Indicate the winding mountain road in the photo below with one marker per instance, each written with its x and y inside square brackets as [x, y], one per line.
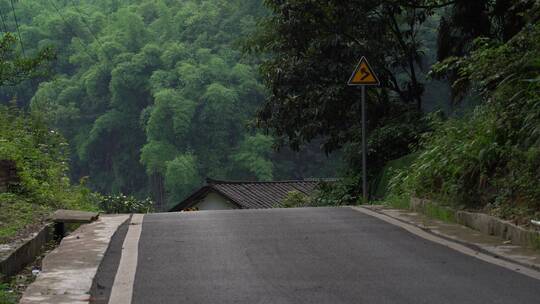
[311, 255]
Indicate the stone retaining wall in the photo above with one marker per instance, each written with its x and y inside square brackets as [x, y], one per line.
[14, 257]
[487, 224]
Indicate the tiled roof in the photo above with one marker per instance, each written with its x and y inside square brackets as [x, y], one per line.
[250, 195]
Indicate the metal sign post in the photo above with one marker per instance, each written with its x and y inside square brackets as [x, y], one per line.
[364, 76]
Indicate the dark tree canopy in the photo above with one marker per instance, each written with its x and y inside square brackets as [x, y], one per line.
[311, 48]
[153, 96]
[466, 21]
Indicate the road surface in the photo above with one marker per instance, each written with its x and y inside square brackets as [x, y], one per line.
[314, 255]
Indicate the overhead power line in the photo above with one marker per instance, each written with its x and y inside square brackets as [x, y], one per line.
[17, 25]
[3, 22]
[81, 41]
[70, 27]
[86, 24]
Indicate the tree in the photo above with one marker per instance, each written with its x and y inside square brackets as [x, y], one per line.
[182, 177]
[310, 49]
[254, 157]
[141, 84]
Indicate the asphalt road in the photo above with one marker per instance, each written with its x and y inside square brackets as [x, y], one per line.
[325, 255]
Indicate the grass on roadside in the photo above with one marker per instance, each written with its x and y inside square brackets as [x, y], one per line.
[23, 214]
[535, 243]
[442, 213]
[433, 211]
[18, 216]
[7, 296]
[397, 202]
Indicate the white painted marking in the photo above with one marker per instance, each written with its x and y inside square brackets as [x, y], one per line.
[452, 245]
[122, 289]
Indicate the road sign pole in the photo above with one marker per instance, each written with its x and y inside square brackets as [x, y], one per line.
[363, 76]
[364, 147]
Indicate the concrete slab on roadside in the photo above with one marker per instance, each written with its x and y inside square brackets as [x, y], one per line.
[68, 271]
[492, 245]
[74, 216]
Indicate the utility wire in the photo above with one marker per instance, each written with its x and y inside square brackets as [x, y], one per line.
[70, 27]
[85, 46]
[3, 22]
[17, 25]
[86, 24]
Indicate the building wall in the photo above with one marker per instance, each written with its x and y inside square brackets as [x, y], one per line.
[214, 201]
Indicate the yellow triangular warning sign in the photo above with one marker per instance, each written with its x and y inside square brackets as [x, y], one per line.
[363, 74]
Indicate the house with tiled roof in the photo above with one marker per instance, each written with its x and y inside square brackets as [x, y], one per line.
[223, 195]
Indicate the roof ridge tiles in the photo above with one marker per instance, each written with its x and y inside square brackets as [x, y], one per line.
[251, 194]
[211, 181]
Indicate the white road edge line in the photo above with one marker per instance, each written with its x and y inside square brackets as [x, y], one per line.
[122, 289]
[452, 245]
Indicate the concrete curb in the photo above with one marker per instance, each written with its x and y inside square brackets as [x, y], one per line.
[69, 270]
[462, 247]
[14, 257]
[503, 229]
[486, 224]
[473, 246]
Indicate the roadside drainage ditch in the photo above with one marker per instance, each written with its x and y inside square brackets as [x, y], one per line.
[20, 260]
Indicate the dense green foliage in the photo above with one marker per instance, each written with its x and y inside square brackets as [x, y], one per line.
[41, 158]
[38, 154]
[153, 95]
[466, 20]
[491, 157]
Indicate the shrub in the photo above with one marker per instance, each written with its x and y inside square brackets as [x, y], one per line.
[6, 297]
[339, 193]
[41, 157]
[125, 204]
[296, 199]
